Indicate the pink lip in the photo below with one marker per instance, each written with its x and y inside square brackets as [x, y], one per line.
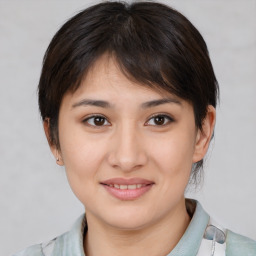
[127, 194]
[122, 181]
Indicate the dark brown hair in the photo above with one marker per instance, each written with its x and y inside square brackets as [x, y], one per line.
[153, 44]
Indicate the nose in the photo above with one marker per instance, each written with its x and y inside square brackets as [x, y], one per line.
[127, 150]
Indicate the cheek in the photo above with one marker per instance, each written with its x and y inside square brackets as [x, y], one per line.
[82, 157]
[174, 151]
[174, 156]
[79, 150]
[174, 163]
[82, 171]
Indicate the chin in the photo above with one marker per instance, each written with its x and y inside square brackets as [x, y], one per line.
[128, 219]
[130, 224]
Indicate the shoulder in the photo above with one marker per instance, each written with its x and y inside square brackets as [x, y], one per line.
[237, 245]
[69, 243]
[35, 250]
[44, 249]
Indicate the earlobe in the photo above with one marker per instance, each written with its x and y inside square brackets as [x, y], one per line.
[55, 151]
[204, 135]
[58, 157]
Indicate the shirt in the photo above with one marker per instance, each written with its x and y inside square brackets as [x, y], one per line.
[71, 242]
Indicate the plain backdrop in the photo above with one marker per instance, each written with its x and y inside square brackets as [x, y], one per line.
[36, 203]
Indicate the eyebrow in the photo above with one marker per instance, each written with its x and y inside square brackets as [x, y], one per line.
[105, 104]
[88, 102]
[155, 103]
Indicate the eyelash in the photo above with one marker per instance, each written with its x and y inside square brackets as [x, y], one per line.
[170, 119]
[93, 117]
[167, 117]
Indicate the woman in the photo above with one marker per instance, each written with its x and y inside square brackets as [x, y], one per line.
[127, 96]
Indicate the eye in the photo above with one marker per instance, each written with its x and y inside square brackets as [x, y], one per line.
[96, 120]
[160, 120]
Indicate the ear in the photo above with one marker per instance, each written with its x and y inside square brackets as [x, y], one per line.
[55, 151]
[204, 135]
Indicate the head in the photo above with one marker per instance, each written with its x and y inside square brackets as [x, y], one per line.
[148, 46]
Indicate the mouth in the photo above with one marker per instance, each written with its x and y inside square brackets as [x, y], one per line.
[123, 187]
[127, 189]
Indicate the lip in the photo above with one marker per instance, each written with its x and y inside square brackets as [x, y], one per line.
[127, 194]
[131, 181]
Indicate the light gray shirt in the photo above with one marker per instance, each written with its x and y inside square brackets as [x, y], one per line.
[71, 242]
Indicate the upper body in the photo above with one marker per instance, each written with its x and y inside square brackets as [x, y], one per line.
[196, 241]
[127, 96]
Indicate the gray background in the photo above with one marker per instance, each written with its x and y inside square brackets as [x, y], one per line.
[36, 203]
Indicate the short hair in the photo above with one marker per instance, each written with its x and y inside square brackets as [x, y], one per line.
[152, 43]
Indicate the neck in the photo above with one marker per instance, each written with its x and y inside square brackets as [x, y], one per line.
[164, 235]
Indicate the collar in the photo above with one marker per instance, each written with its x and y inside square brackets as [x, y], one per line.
[71, 243]
[191, 240]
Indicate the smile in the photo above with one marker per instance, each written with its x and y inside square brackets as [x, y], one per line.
[127, 189]
[130, 187]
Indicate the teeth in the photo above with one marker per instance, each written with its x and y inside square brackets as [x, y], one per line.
[133, 186]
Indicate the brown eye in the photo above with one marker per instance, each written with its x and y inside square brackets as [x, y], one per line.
[96, 121]
[159, 120]
[99, 120]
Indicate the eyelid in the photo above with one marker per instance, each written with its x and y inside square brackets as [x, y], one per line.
[167, 116]
[94, 116]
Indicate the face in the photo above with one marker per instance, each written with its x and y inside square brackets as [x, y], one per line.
[127, 149]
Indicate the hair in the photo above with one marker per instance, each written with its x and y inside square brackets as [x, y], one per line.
[152, 43]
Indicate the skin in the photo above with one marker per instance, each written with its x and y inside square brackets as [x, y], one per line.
[129, 143]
